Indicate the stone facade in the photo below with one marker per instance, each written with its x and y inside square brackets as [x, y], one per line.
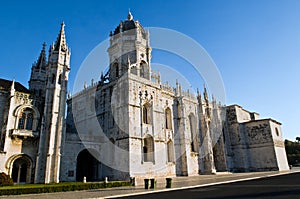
[32, 120]
[128, 125]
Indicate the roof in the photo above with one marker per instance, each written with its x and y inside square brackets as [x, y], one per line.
[126, 25]
[6, 86]
[262, 120]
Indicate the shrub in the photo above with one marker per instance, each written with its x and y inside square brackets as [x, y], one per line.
[60, 187]
[5, 180]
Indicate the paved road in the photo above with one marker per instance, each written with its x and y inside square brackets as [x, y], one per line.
[284, 186]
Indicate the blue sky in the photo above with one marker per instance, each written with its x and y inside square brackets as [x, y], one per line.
[255, 44]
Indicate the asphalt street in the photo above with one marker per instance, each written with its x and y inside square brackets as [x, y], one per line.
[283, 187]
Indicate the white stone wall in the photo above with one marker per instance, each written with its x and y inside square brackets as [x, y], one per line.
[280, 152]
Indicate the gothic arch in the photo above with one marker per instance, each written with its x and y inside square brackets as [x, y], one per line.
[168, 118]
[148, 148]
[116, 69]
[133, 70]
[59, 79]
[20, 168]
[88, 166]
[170, 151]
[144, 70]
[193, 132]
[26, 114]
[146, 113]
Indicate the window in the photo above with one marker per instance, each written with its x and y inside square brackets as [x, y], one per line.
[277, 132]
[22, 121]
[133, 70]
[168, 118]
[146, 114]
[116, 68]
[170, 151]
[192, 122]
[144, 70]
[148, 149]
[29, 121]
[26, 119]
[53, 79]
[59, 79]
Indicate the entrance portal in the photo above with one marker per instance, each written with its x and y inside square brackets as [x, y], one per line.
[87, 166]
[21, 170]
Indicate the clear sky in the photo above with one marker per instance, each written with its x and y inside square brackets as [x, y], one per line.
[255, 43]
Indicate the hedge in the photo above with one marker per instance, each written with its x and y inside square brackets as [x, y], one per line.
[5, 180]
[59, 187]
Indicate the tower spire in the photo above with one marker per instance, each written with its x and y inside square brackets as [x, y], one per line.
[60, 43]
[41, 63]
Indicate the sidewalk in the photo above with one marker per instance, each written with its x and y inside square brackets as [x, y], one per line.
[177, 183]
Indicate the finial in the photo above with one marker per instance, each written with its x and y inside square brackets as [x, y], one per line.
[128, 61]
[129, 16]
[13, 84]
[62, 24]
[205, 93]
[44, 46]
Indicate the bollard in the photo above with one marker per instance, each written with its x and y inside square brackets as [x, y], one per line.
[153, 183]
[84, 179]
[168, 182]
[133, 181]
[147, 184]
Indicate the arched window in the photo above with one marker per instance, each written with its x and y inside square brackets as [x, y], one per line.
[133, 70]
[192, 125]
[25, 120]
[170, 151]
[59, 79]
[276, 131]
[22, 121]
[144, 70]
[29, 121]
[53, 79]
[146, 114]
[116, 68]
[148, 149]
[168, 118]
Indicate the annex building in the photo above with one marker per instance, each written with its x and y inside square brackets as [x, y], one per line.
[126, 125]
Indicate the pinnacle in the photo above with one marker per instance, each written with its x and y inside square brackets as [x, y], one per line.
[61, 39]
[129, 16]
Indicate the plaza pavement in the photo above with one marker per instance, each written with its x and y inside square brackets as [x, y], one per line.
[177, 184]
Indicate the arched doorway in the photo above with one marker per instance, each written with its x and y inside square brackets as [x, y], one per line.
[21, 170]
[88, 166]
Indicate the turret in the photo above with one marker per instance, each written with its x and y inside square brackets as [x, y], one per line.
[37, 80]
[53, 125]
[129, 41]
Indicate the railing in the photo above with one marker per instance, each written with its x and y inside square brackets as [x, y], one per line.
[24, 133]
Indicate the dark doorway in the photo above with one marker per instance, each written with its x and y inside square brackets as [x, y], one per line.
[20, 170]
[87, 166]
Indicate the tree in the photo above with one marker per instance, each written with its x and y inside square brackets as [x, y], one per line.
[298, 139]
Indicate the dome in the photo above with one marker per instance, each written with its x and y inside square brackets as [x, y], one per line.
[128, 24]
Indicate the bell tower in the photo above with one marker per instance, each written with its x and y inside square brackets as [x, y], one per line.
[53, 124]
[129, 50]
